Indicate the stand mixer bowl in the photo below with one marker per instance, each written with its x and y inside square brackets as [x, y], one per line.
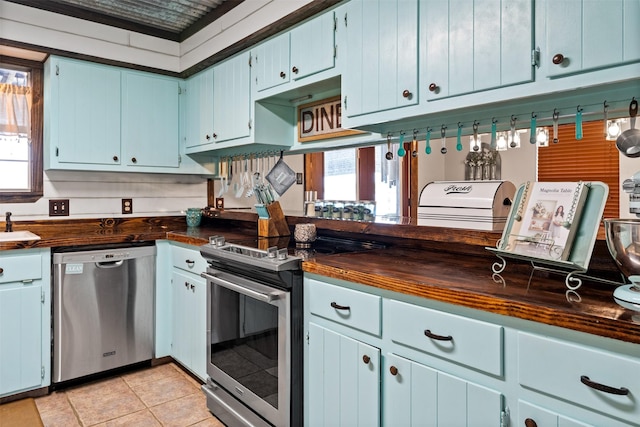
[623, 241]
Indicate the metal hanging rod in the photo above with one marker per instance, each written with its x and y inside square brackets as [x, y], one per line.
[565, 114]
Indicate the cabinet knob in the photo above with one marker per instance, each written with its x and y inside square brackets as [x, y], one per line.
[215, 135]
[393, 370]
[1, 270]
[134, 160]
[530, 423]
[558, 58]
[115, 158]
[186, 285]
[366, 359]
[208, 137]
[406, 93]
[282, 74]
[433, 87]
[295, 69]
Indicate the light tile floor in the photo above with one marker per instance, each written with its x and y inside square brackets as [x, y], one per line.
[163, 395]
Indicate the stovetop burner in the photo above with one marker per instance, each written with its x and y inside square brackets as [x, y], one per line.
[277, 254]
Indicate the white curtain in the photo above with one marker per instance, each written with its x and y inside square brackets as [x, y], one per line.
[15, 108]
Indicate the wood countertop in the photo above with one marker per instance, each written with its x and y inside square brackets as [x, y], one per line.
[457, 272]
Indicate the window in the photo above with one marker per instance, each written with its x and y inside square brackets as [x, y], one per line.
[360, 174]
[21, 88]
[590, 159]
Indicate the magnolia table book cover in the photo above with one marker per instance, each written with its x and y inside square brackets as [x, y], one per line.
[547, 220]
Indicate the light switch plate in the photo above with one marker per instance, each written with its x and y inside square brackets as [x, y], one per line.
[59, 207]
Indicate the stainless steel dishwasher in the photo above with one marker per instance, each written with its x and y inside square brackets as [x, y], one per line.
[103, 308]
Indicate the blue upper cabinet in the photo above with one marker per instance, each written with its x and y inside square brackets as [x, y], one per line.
[150, 120]
[313, 46]
[469, 46]
[382, 65]
[199, 110]
[232, 98]
[82, 113]
[103, 118]
[586, 35]
[271, 63]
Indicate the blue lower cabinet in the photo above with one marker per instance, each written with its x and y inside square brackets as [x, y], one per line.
[417, 395]
[343, 381]
[189, 322]
[25, 319]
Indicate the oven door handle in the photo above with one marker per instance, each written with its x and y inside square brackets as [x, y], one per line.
[247, 289]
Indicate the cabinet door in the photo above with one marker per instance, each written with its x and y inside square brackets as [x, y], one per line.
[590, 34]
[150, 120]
[382, 65]
[313, 46]
[86, 112]
[199, 109]
[271, 62]
[189, 322]
[21, 367]
[344, 378]
[416, 395]
[232, 98]
[180, 318]
[471, 46]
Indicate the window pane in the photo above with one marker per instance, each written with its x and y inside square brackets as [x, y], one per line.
[14, 176]
[13, 148]
[340, 178]
[387, 183]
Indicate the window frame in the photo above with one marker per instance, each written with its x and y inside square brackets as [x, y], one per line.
[36, 69]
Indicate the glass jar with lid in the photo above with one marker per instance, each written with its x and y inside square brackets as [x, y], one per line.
[369, 210]
[327, 209]
[338, 208]
[347, 210]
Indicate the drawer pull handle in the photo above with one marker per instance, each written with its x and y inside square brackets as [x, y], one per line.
[340, 307]
[433, 336]
[393, 370]
[190, 262]
[622, 391]
[530, 423]
[366, 359]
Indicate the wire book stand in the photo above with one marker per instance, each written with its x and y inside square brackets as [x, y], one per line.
[575, 267]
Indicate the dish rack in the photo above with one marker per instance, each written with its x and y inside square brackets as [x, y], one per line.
[576, 265]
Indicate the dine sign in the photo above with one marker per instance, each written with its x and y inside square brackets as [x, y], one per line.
[321, 120]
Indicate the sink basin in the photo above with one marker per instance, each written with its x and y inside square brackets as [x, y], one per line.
[18, 236]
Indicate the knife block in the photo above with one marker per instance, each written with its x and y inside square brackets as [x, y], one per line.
[275, 225]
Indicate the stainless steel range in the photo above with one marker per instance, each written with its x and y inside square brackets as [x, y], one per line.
[254, 335]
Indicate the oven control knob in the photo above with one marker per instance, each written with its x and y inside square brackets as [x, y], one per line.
[272, 252]
[282, 254]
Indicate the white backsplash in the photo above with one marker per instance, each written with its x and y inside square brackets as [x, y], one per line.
[100, 194]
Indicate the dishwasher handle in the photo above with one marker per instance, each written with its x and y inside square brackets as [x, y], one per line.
[245, 289]
[109, 264]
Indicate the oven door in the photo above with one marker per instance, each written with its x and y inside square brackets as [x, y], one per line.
[248, 330]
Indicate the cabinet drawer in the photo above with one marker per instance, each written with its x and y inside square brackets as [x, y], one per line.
[355, 309]
[560, 369]
[20, 267]
[459, 339]
[188, 259]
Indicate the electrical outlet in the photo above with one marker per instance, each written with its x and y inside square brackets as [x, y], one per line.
[59, 207]
[299, 178]
[127, 206]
